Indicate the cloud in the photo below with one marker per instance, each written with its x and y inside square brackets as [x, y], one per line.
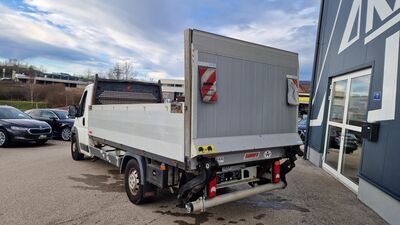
[293, 31]
[156, 75]
[77, 35]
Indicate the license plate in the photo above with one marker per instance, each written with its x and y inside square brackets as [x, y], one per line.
[42, 136]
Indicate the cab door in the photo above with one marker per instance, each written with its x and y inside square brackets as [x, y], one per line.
[81, 122]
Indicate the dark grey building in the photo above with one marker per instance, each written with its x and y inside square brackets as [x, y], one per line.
[355, 92]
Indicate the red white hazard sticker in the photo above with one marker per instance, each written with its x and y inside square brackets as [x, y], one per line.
[208, 84]
[252, 155]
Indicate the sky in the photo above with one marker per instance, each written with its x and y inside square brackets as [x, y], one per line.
[75, 36]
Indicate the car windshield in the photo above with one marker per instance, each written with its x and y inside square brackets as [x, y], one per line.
[62, 114]
[12, 113]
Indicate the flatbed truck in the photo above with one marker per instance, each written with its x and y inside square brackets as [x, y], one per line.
[237, 124]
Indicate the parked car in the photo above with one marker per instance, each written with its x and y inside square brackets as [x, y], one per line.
[58, 119]
[16, 126]
[302, 129]
[350, 141]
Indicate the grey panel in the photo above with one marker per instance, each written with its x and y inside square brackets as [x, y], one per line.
[380, 160]
[251, 88]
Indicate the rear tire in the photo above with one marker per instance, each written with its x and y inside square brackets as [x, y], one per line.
[133, 187]
[66, 133]
[4, 138]
[75, 153]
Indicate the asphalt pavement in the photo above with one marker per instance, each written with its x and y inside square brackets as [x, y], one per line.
[43, 185]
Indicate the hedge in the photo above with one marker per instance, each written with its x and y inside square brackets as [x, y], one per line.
[24, 105]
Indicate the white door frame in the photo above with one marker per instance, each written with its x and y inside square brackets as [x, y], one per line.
[344, 126]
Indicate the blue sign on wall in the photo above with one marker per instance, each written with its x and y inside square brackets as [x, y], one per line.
[377, 96]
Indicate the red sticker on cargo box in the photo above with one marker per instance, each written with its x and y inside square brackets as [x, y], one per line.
[252, 155]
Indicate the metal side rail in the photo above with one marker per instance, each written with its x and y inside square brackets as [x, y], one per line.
[202, 204]
[109, 156]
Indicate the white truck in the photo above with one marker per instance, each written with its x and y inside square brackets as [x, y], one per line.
[237, 124]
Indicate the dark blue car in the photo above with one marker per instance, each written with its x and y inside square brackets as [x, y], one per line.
[302, 129]
[16, 126]
[58, 120]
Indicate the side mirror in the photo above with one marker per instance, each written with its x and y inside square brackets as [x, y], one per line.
[72, 111]
[53, 118]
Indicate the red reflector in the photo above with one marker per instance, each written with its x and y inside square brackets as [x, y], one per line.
[277, 172]
[212, 188]
[251, 155]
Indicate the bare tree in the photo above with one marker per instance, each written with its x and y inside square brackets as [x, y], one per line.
[88, 74]
[117, 71]
[128, 71]
[32, 83]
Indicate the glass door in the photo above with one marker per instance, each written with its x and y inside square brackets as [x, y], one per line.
[347, 111]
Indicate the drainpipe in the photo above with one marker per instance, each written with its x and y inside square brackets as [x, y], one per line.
[314, 76]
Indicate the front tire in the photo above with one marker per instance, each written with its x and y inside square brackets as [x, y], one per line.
[133, 187]
[4, 138]
[66, 133]
[75, 153]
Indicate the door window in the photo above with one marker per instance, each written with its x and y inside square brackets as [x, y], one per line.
[332, 152]
[47, 114]
[82, 104]
[338, 101]
[358, 100]
[351, 155]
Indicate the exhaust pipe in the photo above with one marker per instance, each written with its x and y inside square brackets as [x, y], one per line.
[201, 204]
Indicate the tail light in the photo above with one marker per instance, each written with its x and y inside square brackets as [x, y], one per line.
[212, 188]
[277, 172]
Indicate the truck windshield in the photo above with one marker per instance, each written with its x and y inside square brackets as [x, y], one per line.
[12, 113]
[62, 114]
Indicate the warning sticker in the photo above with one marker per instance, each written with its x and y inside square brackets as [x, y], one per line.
[205, 149]
[252, 155]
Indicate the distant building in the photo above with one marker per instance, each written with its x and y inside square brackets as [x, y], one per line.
[171, 89]
[52, 78]
[304, 97]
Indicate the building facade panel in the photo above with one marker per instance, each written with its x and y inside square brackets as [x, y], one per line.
[355, 35]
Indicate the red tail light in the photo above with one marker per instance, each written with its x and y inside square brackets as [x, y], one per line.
[212, 188]
[277, 172]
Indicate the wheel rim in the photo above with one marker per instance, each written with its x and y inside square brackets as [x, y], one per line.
[133, 181]
[66, 134]
[2, 138]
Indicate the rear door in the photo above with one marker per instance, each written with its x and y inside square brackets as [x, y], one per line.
[51, 118]
[239, 96]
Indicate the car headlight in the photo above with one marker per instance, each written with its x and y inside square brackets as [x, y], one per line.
[19, 128]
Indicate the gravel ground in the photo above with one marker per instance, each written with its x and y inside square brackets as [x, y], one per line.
[43, 185]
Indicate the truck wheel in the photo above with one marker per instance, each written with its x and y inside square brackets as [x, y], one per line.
[3, 138]
[76, 155]
[133, 188]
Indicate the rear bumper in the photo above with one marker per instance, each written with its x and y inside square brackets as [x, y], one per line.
[201, 204]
